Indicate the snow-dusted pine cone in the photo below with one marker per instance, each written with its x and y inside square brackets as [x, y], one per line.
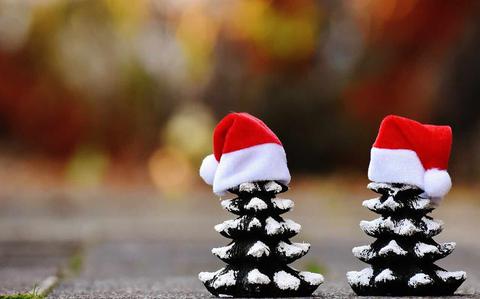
[260, 250]
[402, 258]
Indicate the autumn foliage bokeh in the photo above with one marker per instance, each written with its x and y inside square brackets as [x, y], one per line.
[129, 91]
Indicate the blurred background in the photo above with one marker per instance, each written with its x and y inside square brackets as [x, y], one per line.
[107, 108]
[126, 93]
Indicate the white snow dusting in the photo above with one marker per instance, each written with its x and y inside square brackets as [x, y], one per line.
[421, 249]
[375, 204]
[222, 252]
[360, 277]
[293, 250]
[313, 279]
[376, 186]
[371, 204]
[283, 204]
[227, 225]
[433, 226]
[254, 223]
[405, 227]
[292, 225]
[256, 277]
[256, 204]
[448, 247]
[248, 187]
[227, 204]
[371, 227]
[226, 279]
[259, 249]
[421, 203]
[391, 204]
[273, 227]
[363, 252]
[304, 246]
[385, 275]
[419, 280]
[273, 186]
[457, 275]
[392, 247]
[206, 276]
[286, 281]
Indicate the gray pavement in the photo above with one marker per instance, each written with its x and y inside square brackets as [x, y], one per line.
[26, 265]
[140, 245]
[168, 270]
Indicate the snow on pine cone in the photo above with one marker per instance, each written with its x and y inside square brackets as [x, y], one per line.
[260, 249]
[402, 258]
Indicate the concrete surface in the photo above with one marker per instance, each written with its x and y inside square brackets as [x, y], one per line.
[26, 265]
[168, 270]
[137, 244]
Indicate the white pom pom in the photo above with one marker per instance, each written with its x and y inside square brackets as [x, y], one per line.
[208, 169]
[437, 183]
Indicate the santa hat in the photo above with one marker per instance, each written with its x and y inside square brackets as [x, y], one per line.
[244, 150]
[412, 153]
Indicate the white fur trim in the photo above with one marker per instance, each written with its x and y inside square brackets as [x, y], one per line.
[256, 163]
[437, 183]
[395, 166]
[208, 169]
[404, 166]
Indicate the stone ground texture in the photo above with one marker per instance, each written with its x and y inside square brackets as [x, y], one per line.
[109, 244]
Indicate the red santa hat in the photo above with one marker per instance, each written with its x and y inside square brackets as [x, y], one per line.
[412, 153]
[244, 150]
